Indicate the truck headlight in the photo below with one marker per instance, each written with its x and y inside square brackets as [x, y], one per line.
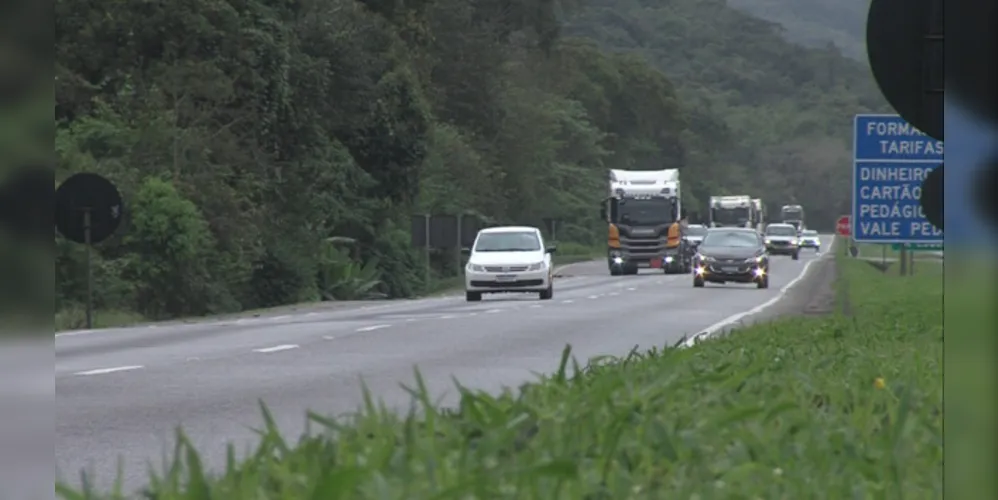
[769, 241]
[617, 260]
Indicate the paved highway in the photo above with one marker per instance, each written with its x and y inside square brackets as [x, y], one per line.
[121, 393]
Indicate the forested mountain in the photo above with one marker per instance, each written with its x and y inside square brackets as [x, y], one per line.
[816, 22]
[246, 135]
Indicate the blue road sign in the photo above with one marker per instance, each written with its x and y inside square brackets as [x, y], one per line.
[891, 158]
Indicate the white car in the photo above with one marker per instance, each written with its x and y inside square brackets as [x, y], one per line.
[809, 239]
[509, 259]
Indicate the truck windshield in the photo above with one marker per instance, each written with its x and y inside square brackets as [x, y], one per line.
[508, 242]
[730, 216]
[793, 215]
[645, 212]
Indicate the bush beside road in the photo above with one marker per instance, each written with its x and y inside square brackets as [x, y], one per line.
[806, 407]
[74, 318]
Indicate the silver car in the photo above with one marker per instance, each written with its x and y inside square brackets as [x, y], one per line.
[781, 239]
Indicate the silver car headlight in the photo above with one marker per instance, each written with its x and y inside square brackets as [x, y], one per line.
[536, 267]
[754, 260]
[769, 241]
[705, 258]
[475, 268]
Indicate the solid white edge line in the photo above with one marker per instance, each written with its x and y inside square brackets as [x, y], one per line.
[103, 371]
[276, 348]
[734, 318]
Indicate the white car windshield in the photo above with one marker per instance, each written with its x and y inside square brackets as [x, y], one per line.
[519, 241]
[730, 239]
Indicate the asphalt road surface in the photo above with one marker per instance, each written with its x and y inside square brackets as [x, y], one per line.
[120, 394]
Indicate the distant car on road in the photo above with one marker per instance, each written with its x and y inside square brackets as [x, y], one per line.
[809, 239]
[731, 254]
[695, 233]
[509, 259]
[782, 239]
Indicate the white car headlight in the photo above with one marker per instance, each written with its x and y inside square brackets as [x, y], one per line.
[475, 268]
[793, 241]
[618, 260]
[536, 267]
[769, 241]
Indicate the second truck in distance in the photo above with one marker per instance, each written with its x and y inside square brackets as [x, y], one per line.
[793, 215]
[733, 211]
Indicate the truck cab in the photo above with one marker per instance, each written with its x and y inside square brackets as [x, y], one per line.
[793, 215]
[732, 211]
[642, 212]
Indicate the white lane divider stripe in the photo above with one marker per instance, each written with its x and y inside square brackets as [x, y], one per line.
[372, 328]
[278, 318]
[276, 348]
[103, 371]
[734, 318]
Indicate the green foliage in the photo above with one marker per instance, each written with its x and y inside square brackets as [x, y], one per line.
[244, 135]
[816, 23]
[820, 407]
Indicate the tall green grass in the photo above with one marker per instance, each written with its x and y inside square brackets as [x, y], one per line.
[810, 408]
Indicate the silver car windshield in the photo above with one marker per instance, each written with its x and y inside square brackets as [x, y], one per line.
[518, 241]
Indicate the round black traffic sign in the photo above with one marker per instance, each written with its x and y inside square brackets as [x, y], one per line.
[905, 49]
[82, 193]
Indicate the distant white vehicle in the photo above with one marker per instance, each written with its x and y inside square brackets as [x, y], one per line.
[809, 239]
[509, 259]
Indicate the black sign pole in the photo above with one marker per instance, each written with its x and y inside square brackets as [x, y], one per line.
[426, 231]
[90, 275]
[460, 258]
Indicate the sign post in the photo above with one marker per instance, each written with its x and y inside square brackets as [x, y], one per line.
[891, 161]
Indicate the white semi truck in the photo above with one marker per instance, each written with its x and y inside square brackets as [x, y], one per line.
[641, 207]
[793, 214]
[760, 214]
[732, 211]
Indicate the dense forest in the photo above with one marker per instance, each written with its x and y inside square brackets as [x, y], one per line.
[815, 23]
[250, 139]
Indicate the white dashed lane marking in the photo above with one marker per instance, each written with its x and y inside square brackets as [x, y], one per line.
[372, 328]
[276, 348]
[104, 371]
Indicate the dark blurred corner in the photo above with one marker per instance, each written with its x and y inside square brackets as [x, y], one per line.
[970, 292]
[27, 385]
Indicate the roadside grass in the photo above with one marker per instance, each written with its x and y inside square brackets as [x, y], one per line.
[821, 408]
[971, 375]
[74, 318]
